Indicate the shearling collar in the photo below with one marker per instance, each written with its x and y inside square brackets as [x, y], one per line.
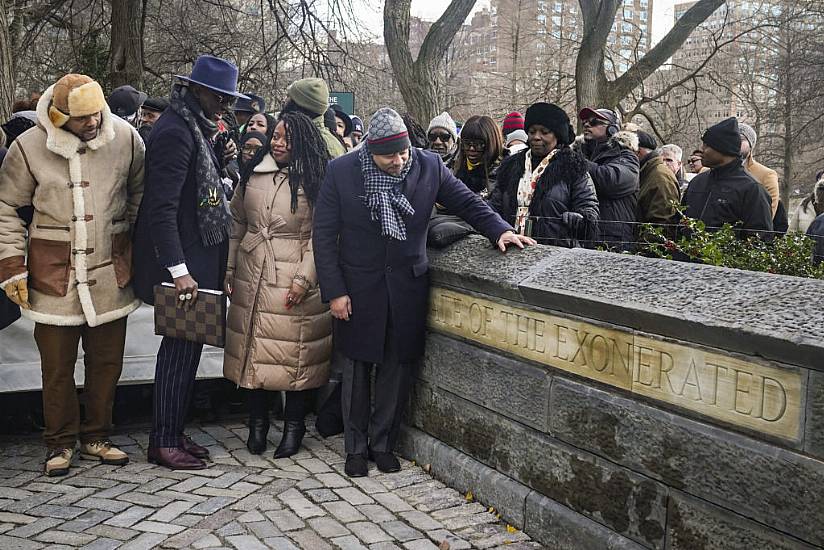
[624, 139]
[266, 165]
[64, 143]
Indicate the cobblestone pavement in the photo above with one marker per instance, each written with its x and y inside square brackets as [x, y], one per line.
[241, 501]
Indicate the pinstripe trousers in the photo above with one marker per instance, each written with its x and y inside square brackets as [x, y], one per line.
[177, 362]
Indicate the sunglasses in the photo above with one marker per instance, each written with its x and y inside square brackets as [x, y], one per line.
[594, 122]
[225, 100]
[693, 161]
[444, 137]
[473, 144]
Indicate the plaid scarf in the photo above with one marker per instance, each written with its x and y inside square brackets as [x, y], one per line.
[213, 217]
[384, 197]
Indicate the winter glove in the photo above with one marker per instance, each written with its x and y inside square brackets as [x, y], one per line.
[572, 220]
[18, 292]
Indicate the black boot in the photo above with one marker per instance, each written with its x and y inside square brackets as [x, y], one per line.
[293, 431]
[258, 422]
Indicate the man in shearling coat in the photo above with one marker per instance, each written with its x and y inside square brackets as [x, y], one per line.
[82, 170]
[370, 228]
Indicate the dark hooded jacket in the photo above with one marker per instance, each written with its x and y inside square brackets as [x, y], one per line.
[564, 186]
[613, 166]
[728, 194]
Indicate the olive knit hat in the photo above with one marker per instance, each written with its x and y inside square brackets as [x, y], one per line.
[311, 94]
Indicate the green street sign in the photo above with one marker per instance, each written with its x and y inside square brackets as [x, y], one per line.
[345, 99]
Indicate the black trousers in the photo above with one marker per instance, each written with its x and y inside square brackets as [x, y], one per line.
[367, 428]
[177, 362]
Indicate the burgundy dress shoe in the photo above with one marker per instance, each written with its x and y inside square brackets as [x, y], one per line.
[193, 448]
[174, 458]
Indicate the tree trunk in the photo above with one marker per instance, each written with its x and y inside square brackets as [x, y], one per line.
[593, 89]
[7, 73]
[416, 78]
[126, 55]
[788, 107]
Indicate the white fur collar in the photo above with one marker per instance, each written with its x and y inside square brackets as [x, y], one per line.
[63, 142]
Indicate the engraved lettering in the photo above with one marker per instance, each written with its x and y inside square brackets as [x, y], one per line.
[780, 392]
[596, 354]
[691, 381]
[739, 390]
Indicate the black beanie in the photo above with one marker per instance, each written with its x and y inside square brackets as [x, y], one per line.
[724, 137]
[553, 118]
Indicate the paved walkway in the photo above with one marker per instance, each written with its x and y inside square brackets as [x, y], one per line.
[242, 501]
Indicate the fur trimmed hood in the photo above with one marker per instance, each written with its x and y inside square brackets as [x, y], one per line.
[64, 143]
[625, 139]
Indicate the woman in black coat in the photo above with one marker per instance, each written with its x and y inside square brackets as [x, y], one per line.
[545, 191]
[480, 148]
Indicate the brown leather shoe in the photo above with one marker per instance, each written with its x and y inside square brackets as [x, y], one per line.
[174, 458]
[193, 448]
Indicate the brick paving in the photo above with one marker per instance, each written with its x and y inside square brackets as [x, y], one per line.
[242, 501]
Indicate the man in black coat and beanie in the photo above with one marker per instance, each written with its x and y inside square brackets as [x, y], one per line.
[613, 166]
[370, 253]
[727, 193]
[182, 236]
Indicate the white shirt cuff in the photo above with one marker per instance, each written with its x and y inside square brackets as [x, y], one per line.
[178, 270]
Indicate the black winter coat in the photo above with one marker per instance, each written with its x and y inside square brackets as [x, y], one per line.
[613, 166]
[816, 232]
[565, 186]
[386, 279]
[478, 180]
[166, 231]
[728, 194]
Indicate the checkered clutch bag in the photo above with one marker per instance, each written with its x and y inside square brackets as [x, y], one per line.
[204, 323]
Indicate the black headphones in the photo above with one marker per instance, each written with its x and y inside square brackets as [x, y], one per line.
[614, 127]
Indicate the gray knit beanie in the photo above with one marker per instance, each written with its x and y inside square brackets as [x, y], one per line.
[387, 133]
[748, 132]
[444, 121]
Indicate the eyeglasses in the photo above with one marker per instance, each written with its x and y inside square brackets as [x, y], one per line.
[225, 100]
[693, 160]
[592, 122]
[443, 136]
[252, 149]
[468, 144]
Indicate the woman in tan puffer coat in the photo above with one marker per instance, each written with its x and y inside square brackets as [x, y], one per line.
[279, 332]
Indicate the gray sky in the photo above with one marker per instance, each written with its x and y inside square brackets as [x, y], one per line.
[372, 11]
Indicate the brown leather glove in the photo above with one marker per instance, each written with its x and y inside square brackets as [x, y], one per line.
[18, 292]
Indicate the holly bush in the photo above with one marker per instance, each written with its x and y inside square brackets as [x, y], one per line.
[789, 254]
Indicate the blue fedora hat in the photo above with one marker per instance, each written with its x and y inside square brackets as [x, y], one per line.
[215, 73]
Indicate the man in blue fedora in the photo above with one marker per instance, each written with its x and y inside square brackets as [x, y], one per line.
[182, 236]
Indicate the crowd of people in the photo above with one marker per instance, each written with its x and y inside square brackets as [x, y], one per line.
[315, 225]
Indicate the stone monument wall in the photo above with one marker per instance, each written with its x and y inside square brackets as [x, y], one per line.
[608, 401]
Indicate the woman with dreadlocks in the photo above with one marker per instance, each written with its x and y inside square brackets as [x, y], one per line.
[279, 332]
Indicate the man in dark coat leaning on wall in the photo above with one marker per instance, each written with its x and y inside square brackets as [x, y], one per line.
[370, 252]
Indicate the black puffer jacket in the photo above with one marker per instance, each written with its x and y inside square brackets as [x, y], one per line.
[613, 166]
[564, 186]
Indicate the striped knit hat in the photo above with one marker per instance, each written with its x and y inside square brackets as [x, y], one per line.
[513, 121]
[387, 133]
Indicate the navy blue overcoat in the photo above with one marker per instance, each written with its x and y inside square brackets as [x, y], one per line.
[386, 278]
[166, 232]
